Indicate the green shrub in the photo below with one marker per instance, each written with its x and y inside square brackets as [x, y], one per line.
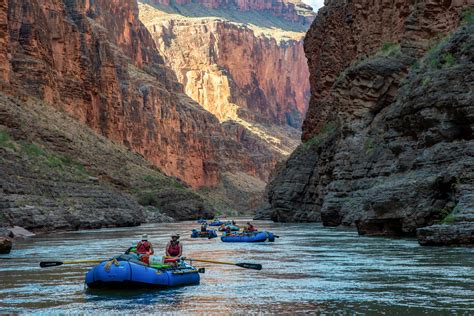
[389, 49]
[425, 81]
[317, 139]
[148, 198]
[447, 215]
[448, 220]
[448, 60]
[6, 141]
[32, 150]
[369, 146]
[468, 16]
[178, 185]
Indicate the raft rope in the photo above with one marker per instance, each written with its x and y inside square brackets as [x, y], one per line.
[109, 264]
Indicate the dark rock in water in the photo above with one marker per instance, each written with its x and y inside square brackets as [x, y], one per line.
[389, 141]
[5, 245]
[446, 235]
[6, 232]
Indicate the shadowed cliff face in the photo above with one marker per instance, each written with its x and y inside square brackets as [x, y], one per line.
[388, 136]
[96, 61]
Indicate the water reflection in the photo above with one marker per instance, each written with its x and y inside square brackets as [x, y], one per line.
[309, 269]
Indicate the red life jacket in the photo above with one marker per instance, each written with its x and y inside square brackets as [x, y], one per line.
[252, 228]
[143, 247]
[174, 250]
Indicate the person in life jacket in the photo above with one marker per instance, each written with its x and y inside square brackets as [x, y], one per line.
[251, 228]
[174, 248]
[144, 247]
[204, 227]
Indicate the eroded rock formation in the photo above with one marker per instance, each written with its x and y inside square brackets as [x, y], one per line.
[233, 68]
[59, 174]
[292, 10]
[96, 61]
[389, 132]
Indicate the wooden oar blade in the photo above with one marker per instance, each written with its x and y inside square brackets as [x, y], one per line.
[47, 264]
[254, 266]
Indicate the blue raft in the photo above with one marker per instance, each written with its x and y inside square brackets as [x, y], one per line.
[125, 275]
[210, 233]
[216, 223]
[249, 237]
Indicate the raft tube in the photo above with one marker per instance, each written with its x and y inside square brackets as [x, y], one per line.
[210, 233]
[128, 275]
[249, 237]
[232, 228]
[216, 223]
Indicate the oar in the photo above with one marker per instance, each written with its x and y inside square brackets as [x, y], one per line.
[47, 264]
[245, 265]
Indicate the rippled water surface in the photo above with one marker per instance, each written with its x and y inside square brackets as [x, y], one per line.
[309, 269]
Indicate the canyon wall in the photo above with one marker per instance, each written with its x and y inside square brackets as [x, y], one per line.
[245, 65]
[96, 61]
[388, 136]
[233, 68]
[292, 10]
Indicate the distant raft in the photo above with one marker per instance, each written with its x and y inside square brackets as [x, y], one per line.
[218, 223]
[210, 233]
[232, 228]
[124, 274]
[249, 237]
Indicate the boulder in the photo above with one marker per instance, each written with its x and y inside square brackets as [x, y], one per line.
[5, 245]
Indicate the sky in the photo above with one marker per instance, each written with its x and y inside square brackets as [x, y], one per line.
[316, 4]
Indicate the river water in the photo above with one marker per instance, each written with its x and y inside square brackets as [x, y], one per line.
[309, 269]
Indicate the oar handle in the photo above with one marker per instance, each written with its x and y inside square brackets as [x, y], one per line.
[48, 264]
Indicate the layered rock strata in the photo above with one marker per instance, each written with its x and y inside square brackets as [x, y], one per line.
[233, 68]
[96, 61]
[389, 132]
[59, 175]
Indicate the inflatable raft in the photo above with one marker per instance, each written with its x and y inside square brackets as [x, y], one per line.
[249, 237]
[117, 275]
[210, 233]
[232, 228]
[216, 223]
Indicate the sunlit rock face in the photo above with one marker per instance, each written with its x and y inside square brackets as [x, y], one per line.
[291, 10]
[388, 136]
[96, 61]
[245, 64]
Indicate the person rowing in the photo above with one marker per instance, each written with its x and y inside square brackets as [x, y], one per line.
[250, 228]
[174, 248]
